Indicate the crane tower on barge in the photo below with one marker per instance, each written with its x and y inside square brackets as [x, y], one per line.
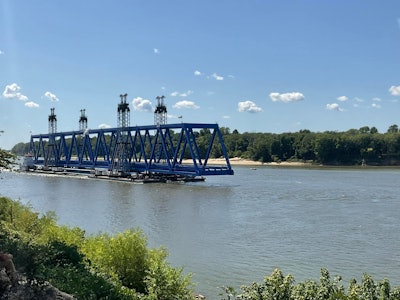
[160, 113]
[120, 160]
[51, 154]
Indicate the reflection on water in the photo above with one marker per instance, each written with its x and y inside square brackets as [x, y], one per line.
[233, 230]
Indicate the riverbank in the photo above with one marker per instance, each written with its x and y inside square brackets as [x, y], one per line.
[237, 161]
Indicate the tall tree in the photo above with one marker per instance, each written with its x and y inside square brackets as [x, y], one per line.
[393, 129]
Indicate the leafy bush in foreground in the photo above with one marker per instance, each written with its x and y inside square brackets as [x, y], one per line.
[279, 287]
[94, 267]
[126, 259]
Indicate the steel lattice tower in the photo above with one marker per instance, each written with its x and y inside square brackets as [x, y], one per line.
[52, 121]
[123, 112]
[83, 121]
[51, 146]
[160, 113]
[121, 162]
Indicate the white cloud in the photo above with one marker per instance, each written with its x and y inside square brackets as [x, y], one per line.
[376, 105]
[188, 93]
[226, 117]
[248, 106]
[287, 97]
[184, 94]
[359, 100]
[394, 90]
[376, 99]
[197, 73]
[156, 51]
[185, 104]
[51, 97]
[31, 104]
[342, 98]
[174, 117]
[217, 77]
[1, 52]
[12, 91]
[333, 106]
[142, 104]
[104, 126]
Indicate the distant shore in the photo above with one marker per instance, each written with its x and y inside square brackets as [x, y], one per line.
[237, 161]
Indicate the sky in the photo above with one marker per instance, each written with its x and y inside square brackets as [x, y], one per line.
[254, 65]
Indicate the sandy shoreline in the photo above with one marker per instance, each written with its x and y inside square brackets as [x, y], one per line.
[237, 161]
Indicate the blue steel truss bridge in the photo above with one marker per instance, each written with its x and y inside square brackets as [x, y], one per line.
[166, 151]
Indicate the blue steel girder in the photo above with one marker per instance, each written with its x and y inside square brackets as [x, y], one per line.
[166, 149]
[101, 149]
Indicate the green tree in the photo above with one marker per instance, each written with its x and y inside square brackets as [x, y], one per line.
[392, 141]
[260, 150]
[20, 149]
[303, 145]
[393, 129]
[225, 131]
[364, 129]
[373, 130]
[7, 159]
[325, 148]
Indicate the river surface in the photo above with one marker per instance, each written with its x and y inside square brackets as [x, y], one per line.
[233, 230]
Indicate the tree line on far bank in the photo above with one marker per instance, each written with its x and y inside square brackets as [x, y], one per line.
[351, 147]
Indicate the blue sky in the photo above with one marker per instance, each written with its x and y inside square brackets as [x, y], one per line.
[256, 65]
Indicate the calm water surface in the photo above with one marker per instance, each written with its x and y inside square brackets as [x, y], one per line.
[233, 230]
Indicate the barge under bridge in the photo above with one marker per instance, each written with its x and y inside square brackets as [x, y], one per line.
[162, 151]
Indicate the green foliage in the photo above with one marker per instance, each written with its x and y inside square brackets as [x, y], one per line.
[126, 259]
[306, 290]
[7, 159]
[164, 282]
[20, 218]
[20, 149]
[123, 257]
[344, 148]
[279, 287]
[393, 129]
[96, 267]
[274, 287]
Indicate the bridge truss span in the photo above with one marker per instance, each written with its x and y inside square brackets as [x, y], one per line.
[180, 149]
